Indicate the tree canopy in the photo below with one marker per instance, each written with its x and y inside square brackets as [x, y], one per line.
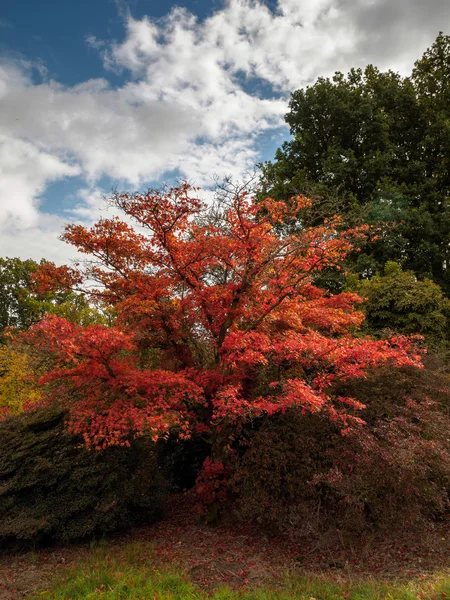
[22, 305]
[18, 306]
[398, 301]
[218, 319]
[376, 145]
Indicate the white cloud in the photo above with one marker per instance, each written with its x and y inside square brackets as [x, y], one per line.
[36, 240]
[187, 104]
[25, 170]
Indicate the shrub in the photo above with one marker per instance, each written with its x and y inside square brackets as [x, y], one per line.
[398, 301]
[274, 477]
[53, 489]
[396, 474]
[301, 475]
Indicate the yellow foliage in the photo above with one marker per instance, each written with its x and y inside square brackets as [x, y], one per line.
[17, 380]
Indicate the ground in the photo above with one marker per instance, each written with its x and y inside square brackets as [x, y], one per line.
[237, 555]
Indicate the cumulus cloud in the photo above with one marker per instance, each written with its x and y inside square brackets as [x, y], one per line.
[191, 99]
[25, 170]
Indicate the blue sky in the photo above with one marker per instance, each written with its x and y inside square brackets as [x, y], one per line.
[55, 31]
[132, 93]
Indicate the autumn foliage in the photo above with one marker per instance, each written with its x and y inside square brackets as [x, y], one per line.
[300, 476]
[218, 320]
[18, 374]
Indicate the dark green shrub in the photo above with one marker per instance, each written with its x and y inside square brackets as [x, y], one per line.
[53, 489]
[273, 480]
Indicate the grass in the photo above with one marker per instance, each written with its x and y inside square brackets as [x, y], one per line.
[130, 574]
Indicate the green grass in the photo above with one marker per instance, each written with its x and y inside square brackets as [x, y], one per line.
[130, 574]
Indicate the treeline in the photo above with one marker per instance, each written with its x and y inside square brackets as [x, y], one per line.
[284, 356]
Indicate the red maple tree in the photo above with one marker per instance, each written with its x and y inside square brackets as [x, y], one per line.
[218, 319]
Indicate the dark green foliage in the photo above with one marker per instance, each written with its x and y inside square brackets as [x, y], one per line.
[400, 302]
[374, 146]
[18, 307]
[274, 476]
[21, 305]
[52, 488]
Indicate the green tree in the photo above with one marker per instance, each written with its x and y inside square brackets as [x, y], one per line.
[398, 301]
[374, 146]
[21, 305]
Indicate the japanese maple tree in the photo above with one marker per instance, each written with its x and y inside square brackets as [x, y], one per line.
[218, 319]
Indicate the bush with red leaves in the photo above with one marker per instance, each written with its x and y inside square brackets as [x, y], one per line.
[301, 475]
